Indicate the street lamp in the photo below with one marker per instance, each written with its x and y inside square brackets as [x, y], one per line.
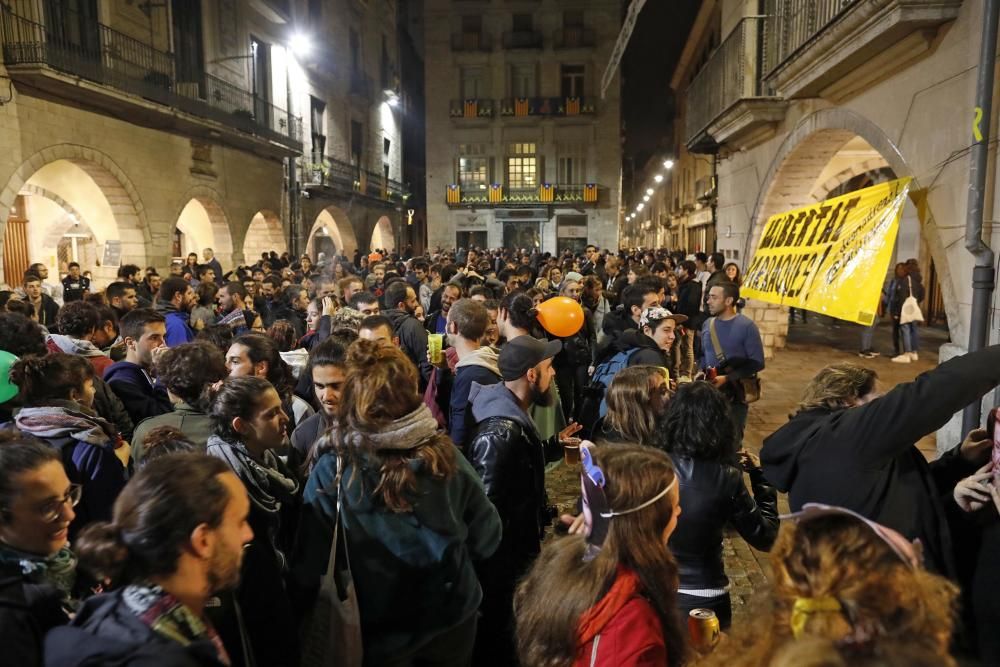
[639, 206]
[668, 164]
[650, 191]
[645, 198]
[658, 178]
[300, 43]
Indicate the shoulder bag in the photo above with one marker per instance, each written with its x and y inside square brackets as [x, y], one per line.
[750, 387]
[911, 309]
[332, 631]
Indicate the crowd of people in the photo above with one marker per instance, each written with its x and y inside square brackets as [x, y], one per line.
[343, 462]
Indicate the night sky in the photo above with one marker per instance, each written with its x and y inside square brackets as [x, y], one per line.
[647, 101]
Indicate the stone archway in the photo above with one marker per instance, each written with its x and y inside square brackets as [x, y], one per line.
[791, 182]
[383, 237]
[90, 183]
[332, 230]
[265, 233]
[201, 216]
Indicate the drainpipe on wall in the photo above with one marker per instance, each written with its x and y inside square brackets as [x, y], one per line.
[983, 278]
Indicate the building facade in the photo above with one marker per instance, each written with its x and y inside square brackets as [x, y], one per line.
[138, 132]
[521, 149]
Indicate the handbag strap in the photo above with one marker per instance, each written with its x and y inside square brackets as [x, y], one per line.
[909, 285]
[720, 356]
[340, 512]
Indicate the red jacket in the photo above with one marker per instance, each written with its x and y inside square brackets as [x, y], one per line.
[633, 637]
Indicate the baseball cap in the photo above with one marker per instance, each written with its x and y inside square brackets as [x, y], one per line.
[523, 353]
[657, 314]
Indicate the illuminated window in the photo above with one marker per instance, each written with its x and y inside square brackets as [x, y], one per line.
[522, 166]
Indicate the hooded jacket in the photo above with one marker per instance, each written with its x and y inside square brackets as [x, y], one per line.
[412, 339]
[106, 632]
[864, 459]
[27, 611]
[141, 398]
[86, 443]
[480, 367]
[413, 571]
[178, 324]
[647, 352]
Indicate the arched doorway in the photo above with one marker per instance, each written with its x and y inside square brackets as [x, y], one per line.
[202, 223]
[332, 233]
[835, 151]
[70, 209]
[382, 235]
[266, 233]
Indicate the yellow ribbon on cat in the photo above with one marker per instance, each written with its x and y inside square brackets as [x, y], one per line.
[805, 607]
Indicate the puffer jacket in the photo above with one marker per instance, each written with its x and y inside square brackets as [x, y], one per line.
[713, 495]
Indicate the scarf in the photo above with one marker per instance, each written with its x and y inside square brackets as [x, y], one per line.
[169, 617]
[57, 570]
[79, 346]
[405, 433]
[626, 586]
[66, 420]
[234, 320]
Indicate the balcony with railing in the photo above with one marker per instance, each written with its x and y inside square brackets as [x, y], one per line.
[347, 179]
[547, 106]
[726, 101]
[471, 108]
[574, 38]
[53, 58]
[522, 39]
[472, 42]
[497, 195]
[834, 47]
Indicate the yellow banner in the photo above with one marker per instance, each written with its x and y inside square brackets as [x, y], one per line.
[831, 257]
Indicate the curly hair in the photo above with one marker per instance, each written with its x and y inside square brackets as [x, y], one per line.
[838, 386]
[20, 335]
[882, 597]
[698, 425]
[187, 369]
[283, 334]
[165, 440]
[380, 387]
[78, 318]
[52, 377]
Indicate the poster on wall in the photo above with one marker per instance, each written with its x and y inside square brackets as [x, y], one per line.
[831, 257]
[112, 253]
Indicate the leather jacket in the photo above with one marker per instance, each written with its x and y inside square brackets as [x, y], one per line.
[713, 495]
[510, 460]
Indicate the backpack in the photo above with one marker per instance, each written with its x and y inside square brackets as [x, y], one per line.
[595, 405]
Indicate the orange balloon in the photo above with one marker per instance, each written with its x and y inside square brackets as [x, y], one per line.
[561, 316]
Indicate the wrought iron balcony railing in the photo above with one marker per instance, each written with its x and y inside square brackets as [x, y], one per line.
[792, 23]
[100, 54]
[497, 195]
[471, 41]
[548, 106]
[574, 38]
[471, 108]
[346, 177]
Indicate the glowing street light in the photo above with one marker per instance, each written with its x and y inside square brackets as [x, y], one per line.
[645, 198]
[300, 44]
[650, 191]
[639, 206]
[668, 164]
[658, 178]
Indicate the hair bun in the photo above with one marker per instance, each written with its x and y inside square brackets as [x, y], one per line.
[101, 550]
[28, 366]
[364, 353]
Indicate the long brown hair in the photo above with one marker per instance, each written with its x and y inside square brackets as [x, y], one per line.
[380, 386]
[560, 586]
[883, 598]
[837, 386]
[630, 404]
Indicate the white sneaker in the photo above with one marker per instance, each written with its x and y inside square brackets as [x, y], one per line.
[902, 359]
[914, 357]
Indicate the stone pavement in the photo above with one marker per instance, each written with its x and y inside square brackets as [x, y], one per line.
[810, 347]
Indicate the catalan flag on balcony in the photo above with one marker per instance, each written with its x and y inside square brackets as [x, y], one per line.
[572, 106]
[471, 109]
[546, 193]
[496, 193]
[454, 194]
[590, 193]
[522, 106]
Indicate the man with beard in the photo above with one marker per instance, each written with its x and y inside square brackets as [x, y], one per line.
[402, 303]
[232, 299]
[174, 301]
[510, 457]
[175, 541]
[327, 366]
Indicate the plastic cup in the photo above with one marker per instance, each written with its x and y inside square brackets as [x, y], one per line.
[434, 345]
[571, 453]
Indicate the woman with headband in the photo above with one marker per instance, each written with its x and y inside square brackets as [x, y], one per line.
[846, 579]
[606, 598]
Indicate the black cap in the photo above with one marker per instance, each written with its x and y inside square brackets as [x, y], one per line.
[523, 353]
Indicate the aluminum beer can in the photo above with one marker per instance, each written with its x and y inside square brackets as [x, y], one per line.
[703, 627]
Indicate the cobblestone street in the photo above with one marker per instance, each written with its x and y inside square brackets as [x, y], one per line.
[811, 346]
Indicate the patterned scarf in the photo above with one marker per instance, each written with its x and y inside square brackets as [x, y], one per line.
[169, 617]
[57, 570]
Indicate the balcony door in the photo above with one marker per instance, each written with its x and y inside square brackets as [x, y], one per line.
[261, 54]
[72, 31]
[189, 45]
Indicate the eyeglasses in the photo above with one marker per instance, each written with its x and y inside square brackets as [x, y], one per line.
[52, 511]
